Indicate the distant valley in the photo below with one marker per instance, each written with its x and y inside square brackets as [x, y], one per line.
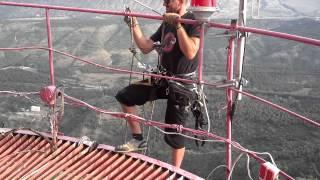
[281, 71]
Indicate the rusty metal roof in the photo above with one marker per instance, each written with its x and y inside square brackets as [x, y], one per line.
[26, 155]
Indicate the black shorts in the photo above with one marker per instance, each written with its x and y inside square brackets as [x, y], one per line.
[137, 94]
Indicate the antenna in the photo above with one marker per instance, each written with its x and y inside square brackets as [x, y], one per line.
[147, 7]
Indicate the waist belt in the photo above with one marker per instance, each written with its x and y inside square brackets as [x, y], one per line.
[188, 76]
[191, 75]
[184, 87]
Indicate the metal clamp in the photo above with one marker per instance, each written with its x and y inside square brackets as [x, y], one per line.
[227, 83]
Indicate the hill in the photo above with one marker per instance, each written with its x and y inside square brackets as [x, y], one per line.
[284, 72]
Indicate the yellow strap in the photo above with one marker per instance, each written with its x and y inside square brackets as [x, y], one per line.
[146, 82]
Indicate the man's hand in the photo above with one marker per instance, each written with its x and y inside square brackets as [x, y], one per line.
[171, 18]
[130, 21]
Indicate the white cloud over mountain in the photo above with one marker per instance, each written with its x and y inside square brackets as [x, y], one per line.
[228, 8]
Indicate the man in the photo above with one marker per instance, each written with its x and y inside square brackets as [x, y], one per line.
[180, 44]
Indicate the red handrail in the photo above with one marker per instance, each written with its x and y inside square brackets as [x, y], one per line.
[210, 24]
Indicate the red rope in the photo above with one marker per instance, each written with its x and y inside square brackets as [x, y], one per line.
[305, 119]
[179, 128]
[107, 67]
[186, 21]
[313, 122]
[153, 123]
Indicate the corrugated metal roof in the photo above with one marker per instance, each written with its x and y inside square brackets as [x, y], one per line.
[26, 155]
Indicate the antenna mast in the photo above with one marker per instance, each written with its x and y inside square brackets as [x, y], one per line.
[241, 43]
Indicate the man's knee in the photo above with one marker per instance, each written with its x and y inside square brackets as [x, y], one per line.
[123, 98]
[175, 141]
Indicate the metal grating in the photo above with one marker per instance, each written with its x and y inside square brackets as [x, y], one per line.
[25, 155]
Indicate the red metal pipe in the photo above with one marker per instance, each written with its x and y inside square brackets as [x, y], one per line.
[50, 47]
[280, 35]
[121, 13]
[200, 53]
[305, 119]
[211, 24]
[269, 33]
[229, 96]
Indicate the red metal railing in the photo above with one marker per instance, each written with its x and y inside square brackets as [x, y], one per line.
[229, 90]
[211, 24]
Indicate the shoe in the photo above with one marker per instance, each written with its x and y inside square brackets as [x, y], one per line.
[132, 145]
[86, 141]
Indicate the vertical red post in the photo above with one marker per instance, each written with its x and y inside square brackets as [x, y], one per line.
[200, 53]
[229, 94]
[50, 47]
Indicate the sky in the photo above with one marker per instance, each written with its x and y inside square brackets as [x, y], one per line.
[227, 8]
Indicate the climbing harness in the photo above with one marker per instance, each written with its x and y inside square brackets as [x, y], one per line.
[188, 98]
[200, 122]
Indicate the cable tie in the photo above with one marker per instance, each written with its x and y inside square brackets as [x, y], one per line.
[179, 128]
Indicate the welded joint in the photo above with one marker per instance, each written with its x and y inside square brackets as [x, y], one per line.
[227, 83]
[243, 82]
[228, 34]
[232, 83]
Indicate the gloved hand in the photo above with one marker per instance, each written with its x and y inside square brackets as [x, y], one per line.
[171, 18]
[130, 21]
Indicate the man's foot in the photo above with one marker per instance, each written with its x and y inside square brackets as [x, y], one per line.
[132, 145]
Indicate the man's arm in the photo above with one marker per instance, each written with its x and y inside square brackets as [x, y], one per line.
[144, 44]
[188, 45]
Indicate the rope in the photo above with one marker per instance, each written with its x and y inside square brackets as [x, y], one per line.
[234, 165]
[19, 93]
[203, 97]
[57, 114]
[248, 167]
[216, 168]
[78, 102]
[148, 133]
[117, 69]
[126, 8]
[126, 71]
[181, 128]
[159, 125]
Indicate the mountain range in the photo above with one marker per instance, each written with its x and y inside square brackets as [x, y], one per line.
[227, 8]
[284, 72]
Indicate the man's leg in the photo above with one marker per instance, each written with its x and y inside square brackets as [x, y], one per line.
[129, 97]
[175, 114]
[177, 156]
[134, 125]
[136, 143]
